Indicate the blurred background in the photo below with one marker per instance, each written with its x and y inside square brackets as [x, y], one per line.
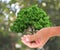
[8, 13]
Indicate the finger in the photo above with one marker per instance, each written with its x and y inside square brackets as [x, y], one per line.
[26, 43]
[24, 37]
[28, 37]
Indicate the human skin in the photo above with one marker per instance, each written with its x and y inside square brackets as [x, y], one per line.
[41, 37]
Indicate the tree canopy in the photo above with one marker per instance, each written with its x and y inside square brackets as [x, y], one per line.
[33, 17]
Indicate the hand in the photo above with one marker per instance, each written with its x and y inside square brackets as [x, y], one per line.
[38, 43]
[30, 43]
[41, 37]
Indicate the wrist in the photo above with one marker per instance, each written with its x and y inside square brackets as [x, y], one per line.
[55, 31]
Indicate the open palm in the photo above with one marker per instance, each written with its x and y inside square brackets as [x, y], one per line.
[38, 43]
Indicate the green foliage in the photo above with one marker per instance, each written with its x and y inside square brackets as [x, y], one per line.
[31, 17]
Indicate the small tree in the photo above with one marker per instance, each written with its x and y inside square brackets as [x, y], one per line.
[33, 17]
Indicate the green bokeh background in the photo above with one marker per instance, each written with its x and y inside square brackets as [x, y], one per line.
[11, 40]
